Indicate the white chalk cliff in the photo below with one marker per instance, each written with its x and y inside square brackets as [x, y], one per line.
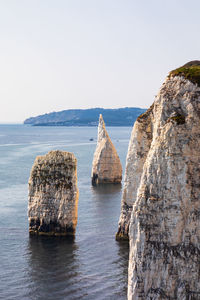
[139, 145]
[162, 193]
[53, 194]
[106, 167]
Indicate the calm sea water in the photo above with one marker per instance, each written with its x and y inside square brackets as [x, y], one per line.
[94, 266]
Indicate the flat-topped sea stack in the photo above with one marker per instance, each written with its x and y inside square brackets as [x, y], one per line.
[106, 167]
[162, 193]
[53, 194]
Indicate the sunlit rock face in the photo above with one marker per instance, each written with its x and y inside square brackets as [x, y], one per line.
[53, 194]
[162, 188]
[139, 145]
[106, 167]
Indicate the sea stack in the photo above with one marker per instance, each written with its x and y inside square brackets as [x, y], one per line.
[106, 167]
[53, 195]
[164, 230]
[138, 149]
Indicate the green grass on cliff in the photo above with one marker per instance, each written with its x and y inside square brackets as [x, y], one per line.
[190, 71]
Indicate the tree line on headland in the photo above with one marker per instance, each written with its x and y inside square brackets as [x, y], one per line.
[87, 117]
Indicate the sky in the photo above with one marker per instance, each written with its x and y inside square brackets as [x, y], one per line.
[65, 54]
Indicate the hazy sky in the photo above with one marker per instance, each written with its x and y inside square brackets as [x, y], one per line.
[61, 54]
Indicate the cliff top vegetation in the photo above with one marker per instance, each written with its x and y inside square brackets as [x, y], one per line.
[190, 71]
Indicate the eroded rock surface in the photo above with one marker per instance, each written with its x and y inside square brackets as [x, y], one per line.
[53, 194]
[162, 185]
[137, 152]
[106, 167]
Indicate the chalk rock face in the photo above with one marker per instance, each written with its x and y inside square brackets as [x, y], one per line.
[106, 167]
[137, 152]
[53, 194]
[164, 231]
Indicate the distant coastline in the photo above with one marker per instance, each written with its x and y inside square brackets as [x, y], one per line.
[88, 117]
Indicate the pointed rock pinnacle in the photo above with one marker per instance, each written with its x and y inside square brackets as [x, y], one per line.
[106, 167]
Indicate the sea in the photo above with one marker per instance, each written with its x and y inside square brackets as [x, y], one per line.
[94, 266]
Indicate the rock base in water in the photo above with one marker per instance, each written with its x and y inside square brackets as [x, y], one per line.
[52, 228]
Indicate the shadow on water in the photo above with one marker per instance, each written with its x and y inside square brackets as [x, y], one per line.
[105, 189]
[106, 202]
[123, 254]
[53, 267]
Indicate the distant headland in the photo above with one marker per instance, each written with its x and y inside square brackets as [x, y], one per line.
[88, 117]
